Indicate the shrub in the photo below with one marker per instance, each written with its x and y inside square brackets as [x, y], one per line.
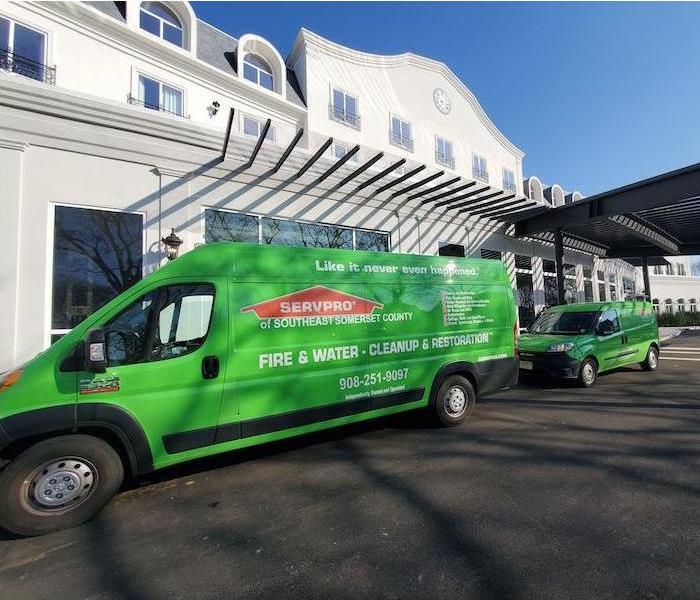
[678, 319]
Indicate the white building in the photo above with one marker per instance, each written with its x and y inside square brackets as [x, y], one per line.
[113, 120]
[674, 288]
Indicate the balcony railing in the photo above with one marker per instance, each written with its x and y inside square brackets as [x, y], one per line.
[137, 102]
[14, 63]
[480, 174]
[446, 160]
[509, 186]
[338, 113]
[401, 140]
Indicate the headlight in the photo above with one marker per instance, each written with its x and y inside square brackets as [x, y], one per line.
[565, 347]
[9, 378]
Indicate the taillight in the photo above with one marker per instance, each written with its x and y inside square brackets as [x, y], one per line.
[515, 338]
[9, 379]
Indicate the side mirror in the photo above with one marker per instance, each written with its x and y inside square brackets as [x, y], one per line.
[95, 355]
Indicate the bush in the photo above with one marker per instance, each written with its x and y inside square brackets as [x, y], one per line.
[678, 319]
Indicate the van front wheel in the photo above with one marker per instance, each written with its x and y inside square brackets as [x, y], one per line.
[58, 483]
[587, 373]
[454, 401]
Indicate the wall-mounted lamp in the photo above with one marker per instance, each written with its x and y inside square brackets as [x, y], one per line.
[172, 244]
[213, 108]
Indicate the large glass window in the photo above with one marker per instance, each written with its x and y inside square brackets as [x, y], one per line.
[551, 294]
[257, 70]
[444, 153]
[97, 254]
[526, 301]
[225, 226]
[344, 108]
[340, 149]
[628, 287]
[158, 19]
[163, 324]
[601, 292]
[22, 50]
[156, 95]
[401, 133]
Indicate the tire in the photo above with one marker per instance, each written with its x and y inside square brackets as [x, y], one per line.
[454, 401]
[651, 362]
[588, 373]
[58, 483]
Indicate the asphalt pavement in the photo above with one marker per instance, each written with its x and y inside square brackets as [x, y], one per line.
[548, 492]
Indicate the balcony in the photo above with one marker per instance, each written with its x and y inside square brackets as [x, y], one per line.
[14, 63]
[402, 141]
[137, 102]
[446, 160]
[339, 114]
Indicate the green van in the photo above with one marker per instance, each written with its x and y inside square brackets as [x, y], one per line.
[233, 345]
[578, 341]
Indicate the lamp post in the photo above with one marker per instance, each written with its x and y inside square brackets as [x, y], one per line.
[172, 244]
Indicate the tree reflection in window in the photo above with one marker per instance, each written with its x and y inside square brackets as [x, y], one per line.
[292, 233]
[97, 255]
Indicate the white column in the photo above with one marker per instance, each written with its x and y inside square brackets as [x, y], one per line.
[11, 166]
[595, 267]
[538, 283]
[580, 294]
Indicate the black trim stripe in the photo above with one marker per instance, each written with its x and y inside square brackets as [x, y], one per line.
[198, 438]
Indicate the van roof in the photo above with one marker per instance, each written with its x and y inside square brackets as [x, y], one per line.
[597, 306]
[254, 262]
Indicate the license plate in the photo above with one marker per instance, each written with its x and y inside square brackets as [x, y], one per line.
[526, 364]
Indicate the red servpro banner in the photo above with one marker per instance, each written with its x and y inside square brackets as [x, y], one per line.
[315, 301]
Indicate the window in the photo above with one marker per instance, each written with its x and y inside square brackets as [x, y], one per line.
[523, 262]
[681, 305]
[257, 70]
[344, 108]
[479, 168]
[601, 292]
[628, 287]
[588, 291]
[525, 299]
[551, 293]
[549, 266]
[444, 154]
[226, 226]
[609, 320]
[668, 305]
[680, 269]
[158, 19]
[97, 254]
[509, 181]
[253, 127]
[657, 270]
[490, 254]
[156, 95]
[163, 324]
[655, 304]
[23, 51]
[223, 226]
[600, 275]
[340, 149]
[401, 133]
[693, 304]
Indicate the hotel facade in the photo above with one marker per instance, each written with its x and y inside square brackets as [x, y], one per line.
[124, 122]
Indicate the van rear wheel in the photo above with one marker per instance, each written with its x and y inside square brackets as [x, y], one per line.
[454, 401]
[651, 362]
[58, 483]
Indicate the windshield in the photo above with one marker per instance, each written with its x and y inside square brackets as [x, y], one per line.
[564, 322]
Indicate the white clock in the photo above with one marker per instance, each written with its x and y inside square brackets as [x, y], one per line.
[441, 101]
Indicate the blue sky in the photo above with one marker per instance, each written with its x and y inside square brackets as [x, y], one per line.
[597, 94]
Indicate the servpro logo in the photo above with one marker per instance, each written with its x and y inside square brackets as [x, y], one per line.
[317, 301]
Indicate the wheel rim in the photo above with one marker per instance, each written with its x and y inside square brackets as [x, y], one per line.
[653, 359]
[455, 401]
[588, 372]
[61, 484]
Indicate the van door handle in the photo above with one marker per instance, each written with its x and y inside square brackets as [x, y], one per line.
[210, 367]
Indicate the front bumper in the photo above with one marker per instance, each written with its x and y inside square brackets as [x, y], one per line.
[558, 365]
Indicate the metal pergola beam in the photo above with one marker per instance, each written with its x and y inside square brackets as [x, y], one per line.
[433, 189]
[413, 186]
[314, 158]
[449, 193]
[228, 134]
[499, 213]
[477, 207]
[651, 251]
[489, 199]
[288, 151]
[339, 163]
[379, 175]
[662, 191]
[401, 179]
[359, 170]
[462, 196]
[259, 143]
[645, 233]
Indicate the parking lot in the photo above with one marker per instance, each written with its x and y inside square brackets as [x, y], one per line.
[549, 492]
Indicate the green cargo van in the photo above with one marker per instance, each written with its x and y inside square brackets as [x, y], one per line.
[233, 345]
[578, 341]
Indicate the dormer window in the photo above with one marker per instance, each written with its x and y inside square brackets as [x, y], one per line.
[257, 70]
[158, 19]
